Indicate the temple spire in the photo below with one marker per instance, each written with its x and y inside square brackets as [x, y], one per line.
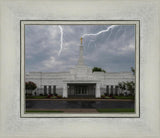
[81, 41]
[81, 60]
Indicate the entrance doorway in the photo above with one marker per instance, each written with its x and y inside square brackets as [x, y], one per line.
[81, 90]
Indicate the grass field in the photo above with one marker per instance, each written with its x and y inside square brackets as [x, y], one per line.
[36, 97]
[44, 111]
[115, 110]
[112, 110]
[123, 97]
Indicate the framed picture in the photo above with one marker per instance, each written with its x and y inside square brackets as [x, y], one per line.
[64, 88]
[80, 32]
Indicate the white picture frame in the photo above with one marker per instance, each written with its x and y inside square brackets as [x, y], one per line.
[13, 125]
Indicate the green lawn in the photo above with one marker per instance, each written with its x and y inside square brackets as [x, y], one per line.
[123, 97]
[44, 111]
[112, 110]
[36, 97]
[115, 110]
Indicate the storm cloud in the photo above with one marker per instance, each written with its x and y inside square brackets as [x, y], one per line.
[114, 51]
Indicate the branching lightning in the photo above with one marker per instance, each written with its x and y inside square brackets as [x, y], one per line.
[61, 45]
[84, 35]
[110, 27]
[100, 32]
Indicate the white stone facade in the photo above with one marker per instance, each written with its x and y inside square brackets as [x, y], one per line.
[79, 78]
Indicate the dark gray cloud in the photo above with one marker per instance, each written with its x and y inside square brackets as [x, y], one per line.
[113, 51]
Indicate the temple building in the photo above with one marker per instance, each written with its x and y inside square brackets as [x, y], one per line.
[79, 81]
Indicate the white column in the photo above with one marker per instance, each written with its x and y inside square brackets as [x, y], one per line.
[81, 60]
[47, 89]
[118, 90]
[65, 94]
[98, 95]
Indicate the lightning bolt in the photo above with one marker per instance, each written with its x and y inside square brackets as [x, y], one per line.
[103, 31]
[61, 45]
[98, 33]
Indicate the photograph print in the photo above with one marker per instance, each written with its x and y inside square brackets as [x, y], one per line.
[80, 68]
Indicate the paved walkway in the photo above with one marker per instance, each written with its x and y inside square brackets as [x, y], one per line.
[67, 110]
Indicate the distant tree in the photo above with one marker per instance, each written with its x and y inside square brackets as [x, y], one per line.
[30, 86]
[133, 70]
[130, 86]
[98, 69]
[122, 85]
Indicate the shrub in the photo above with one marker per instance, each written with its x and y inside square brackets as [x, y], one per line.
[53, 97]
[107, 97]
[49, 96]
[30, 85]
[59, 96]
[102, 96]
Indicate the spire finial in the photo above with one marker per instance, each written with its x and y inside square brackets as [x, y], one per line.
[81, 40]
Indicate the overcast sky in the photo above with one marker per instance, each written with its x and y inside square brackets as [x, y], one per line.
[113, 50]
